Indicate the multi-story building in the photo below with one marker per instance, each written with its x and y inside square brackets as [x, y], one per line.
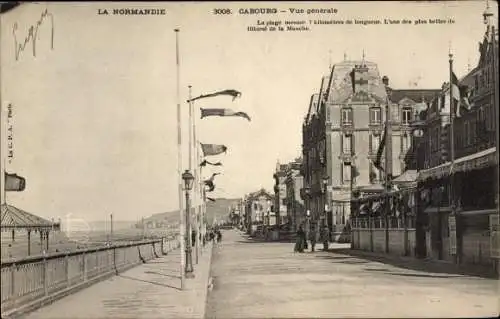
[293, 200]
[342, 133]
[460, 198]
[280, 206]
[258, 209]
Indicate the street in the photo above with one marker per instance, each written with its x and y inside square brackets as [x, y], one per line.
[259, 279]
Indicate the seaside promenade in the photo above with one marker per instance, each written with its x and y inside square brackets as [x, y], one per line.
[246, 278]
[150, 290]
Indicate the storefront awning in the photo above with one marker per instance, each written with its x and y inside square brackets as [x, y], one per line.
[479, 212]
[467, 163]
[475, 161]
[435, 172]
[407, 177]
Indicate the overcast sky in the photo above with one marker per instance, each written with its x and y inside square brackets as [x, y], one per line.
[95, 117]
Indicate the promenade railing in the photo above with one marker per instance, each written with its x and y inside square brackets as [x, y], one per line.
[32, 279]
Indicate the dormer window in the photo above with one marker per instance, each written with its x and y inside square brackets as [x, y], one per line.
[406, 116]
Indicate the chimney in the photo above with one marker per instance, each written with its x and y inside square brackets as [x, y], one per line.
[385, 80]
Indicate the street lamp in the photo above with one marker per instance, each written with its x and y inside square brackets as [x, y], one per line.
[325, 180]
[188, 179]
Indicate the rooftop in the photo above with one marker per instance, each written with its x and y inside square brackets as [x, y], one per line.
[15, 218]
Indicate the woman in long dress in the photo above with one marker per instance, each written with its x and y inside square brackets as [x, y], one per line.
[301, 238]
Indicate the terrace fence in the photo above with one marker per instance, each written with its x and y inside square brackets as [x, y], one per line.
[32, 282]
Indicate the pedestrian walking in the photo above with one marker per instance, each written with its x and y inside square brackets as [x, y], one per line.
[325, 234]
[219, 236]
[193, 237]
[300, 241]
[312, 238]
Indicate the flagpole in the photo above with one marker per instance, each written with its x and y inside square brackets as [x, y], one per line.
[495, 109]
[3, 146]
[495, 113]
[190, 130]
[197, 185]
[452, 201]
[193, 158]
[452, 111]
[179, 159]
[388, 166]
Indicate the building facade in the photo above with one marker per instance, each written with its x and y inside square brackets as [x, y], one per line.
[258, 210]
[293, 200]
[342, 132]
[460, 183]
[280, 207]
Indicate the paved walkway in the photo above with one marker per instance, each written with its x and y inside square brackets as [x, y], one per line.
[264, 280]
[151, 290]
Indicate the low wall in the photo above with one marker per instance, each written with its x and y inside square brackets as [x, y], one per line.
[401, 241]
[34, 279]
[476, 248]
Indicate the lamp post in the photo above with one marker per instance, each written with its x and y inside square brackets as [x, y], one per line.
[325, 197]
[308, 222]
[188, 179]
[351, 186]
[307, 198]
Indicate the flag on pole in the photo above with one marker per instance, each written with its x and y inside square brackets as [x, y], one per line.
[231, 92]
[223, 112]
[213, 176]
[378, 160]
[464, 96]
[455, 91]
[210, 182]
[210, 185]
[213, 149]
[14, 183]
[205, 162]
[455, 94]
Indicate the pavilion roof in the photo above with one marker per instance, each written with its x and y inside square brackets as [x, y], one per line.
[15, 218]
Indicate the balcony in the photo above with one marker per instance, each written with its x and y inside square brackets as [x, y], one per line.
[376, 128]
[347, 128]
[347, 157]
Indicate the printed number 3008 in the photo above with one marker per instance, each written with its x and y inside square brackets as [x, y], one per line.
[222, 11]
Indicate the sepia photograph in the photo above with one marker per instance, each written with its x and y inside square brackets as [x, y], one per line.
[302, 159]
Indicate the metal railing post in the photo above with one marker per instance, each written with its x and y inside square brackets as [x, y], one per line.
[84, 268]
[13, 280]
[66, 269]
[45, 277]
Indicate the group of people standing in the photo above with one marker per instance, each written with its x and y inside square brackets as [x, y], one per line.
[214, 235]
[301, 242]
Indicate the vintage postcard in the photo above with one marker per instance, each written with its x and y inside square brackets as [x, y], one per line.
[249, 159]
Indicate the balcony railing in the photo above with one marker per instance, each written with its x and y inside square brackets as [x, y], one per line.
[38, 277]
